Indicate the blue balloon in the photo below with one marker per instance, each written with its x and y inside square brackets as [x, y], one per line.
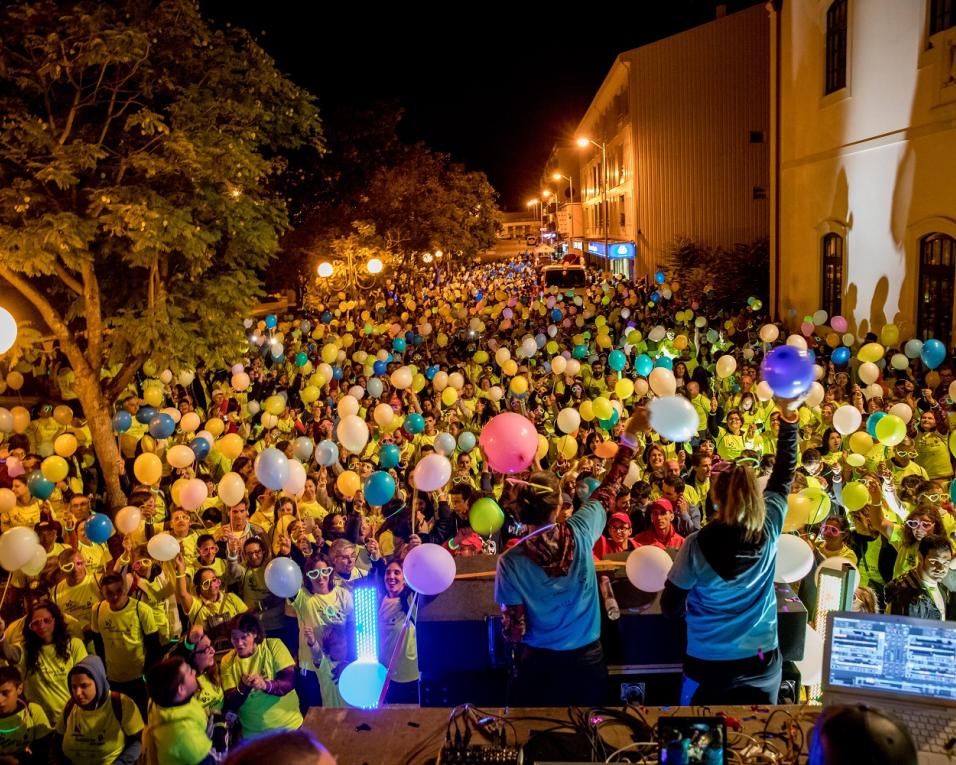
[271, 321]
[99, 528]
[611, 421]
[580, 351]
[840, 356]
[664, 361]
[122, 421]
[326, 317]
[374, 387]
[162, 425]
[414, 423]
[399, 344]
[326, 453]
[556, 314]
[932, 353]
[659, 277]
[145, 414]
[432, 371]
[200, 447]
[643, 365]
[389, 359]
[272, 468]
[409, 337]
[655, 296]
[467, 441]
[379, 488]
[337, 373]
[872, 421]
[379, 367]
[616, 360]
[418, 340]
[788, 371]
[389, 456]
[39, 486]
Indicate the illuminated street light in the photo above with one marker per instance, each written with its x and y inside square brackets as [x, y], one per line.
[374, 266]
[558, 176]
[427, 257]
[438, 254]
[8, 330]
[325, 270]
[583, 142]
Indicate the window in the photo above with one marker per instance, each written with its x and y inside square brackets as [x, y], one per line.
[937, 271]
[832, 300]
[757, 136]
[836, 47]
[759, 192]
[942, 15]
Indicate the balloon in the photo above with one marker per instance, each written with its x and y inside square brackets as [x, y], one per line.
[815, 395]
[890, 430]
[347, 406]
[794, 559]
[144, 414]
[657, 334]
[361, 683]
[40, 488]
[98, 528]
[401, 378]
[616, 360]
[510, 442]
[326, 453]
[643, 365]
[6, 420]
[189, 423]
[913, 348]
[14, 467]
[180, 456]
[932, 353]
[193, 494]
[302, 448]
[379, 488]
[662, 382]
[54, 468]
[872, 421]
[283, 577]
[568, 420]
[871, 352]
[63, 414]
[37, 562]
[414, 423]
[811, 665]
[485, 516]
[602, 408]
[241, 381]
[868, 372]
[647, 568]
[861, 443]
[163, 547]
[726, 366]
[902, 411]
[352, 433]
[788, 370]
[127, 520]
[432, 472]
[230, 445]
[674, 417]
[8, 500]
[567, 447]
[796, 341]
[153, 397]
[847, 419]
[201, 445]
[839, 324]
[231, 489]
[272, 468]
[429, 569]
[122, 421]
[348, 483]
[899, 361]
[17, 546]
[798, 512]
[573, 367]
[374, 387]
[449, 395]
[840, 356]
[445, 444]
[467, 441]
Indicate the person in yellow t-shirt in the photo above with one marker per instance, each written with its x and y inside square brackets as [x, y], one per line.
[25, 726]
[99, 726]
[258, 677]
[211, 607]
[79, 592]
[27, 510]
[44, 658]
[176, 732]
[309, 506]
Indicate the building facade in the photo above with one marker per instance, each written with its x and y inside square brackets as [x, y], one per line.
[864, 163]
[519, 225]
[678, 146]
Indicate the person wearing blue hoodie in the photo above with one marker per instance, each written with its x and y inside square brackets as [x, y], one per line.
[99, 726]
[722, 581]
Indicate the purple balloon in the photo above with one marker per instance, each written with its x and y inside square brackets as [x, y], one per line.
[788, 371]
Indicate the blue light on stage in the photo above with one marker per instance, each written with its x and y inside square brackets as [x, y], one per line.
[366, 624]
[362, 681]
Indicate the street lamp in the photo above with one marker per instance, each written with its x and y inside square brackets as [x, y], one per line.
[540, 214]
[346, 275]
[583, 142]
[557, 176]
[8, 330]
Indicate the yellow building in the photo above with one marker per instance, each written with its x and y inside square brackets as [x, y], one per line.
[683, 125]
[863, 188]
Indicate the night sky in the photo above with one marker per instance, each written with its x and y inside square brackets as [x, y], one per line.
[496, 89]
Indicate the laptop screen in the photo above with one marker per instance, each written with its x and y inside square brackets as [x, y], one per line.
[888, 654]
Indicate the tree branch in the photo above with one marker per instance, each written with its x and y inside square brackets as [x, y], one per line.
[123, 377]
[67, 279]
[94, 315]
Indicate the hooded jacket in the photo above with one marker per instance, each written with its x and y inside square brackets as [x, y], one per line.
[177, 735]
[92, 666]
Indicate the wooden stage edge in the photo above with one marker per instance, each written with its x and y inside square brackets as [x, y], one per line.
[391, 735]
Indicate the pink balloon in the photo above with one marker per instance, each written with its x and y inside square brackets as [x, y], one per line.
[510, 442]
[14, 467]
[193, 494]
[432, 472]
[807, 328]
[839, 324]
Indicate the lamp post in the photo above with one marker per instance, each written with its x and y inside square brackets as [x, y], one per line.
[582, 142]
[539, 214]
[347, 276]
[557, 176]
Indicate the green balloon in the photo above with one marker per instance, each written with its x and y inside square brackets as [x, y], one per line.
[486, 516]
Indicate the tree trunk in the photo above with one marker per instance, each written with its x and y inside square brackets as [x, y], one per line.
[97, 411]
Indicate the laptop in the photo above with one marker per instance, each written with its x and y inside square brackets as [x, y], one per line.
[900, 665]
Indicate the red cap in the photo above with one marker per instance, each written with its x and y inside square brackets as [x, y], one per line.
[663, 504]
[622, 517]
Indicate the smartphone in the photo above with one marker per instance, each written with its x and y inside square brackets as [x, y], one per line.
[691, 741]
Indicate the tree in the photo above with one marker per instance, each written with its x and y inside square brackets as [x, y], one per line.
[743, 271]
[138, 155]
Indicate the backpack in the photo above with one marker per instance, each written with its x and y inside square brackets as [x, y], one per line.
[116, 702]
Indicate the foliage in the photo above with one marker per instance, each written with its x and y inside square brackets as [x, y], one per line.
[138, 154]
[718, 277]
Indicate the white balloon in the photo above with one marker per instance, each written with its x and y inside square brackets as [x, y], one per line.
[163, 547]
[128, 518]
[847, 419]
[769, 333]
[558, 365]
[37, 562]
[347, 405]
[573, 367]
[429, 569]
[794, 559]
[873, 391]
[657, 334]
[432, 472]
[764, 391]
[868, 372]
[352, 433]
[383, 414]
[903, 411]
[797, 341]
[17, 546]
[295, 484]
[674, 417]
[815, 395]
[568, 420]
[456, 380]
[647, 568]
[633, 474]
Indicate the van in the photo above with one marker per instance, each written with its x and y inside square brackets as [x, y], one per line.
[564, 275]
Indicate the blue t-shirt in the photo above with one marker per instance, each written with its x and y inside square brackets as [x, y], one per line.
[737, 618]
[561, 612]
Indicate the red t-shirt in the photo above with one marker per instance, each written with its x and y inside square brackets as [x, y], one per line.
[649, 537]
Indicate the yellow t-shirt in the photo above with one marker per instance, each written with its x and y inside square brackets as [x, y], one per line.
[262, 712]
[312, 510]
[47, 685]
[23, 728]
[124, 634]
[97, 557]
[77, 600]
[21, 515]
[209, 694]
[318, 611]
[96, 737]
[211, 615]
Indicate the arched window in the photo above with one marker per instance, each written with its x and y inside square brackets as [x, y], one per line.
[832, 299]
[836, 47]
[937, 273]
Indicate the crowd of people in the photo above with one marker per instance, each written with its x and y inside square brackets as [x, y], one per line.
[152, 629]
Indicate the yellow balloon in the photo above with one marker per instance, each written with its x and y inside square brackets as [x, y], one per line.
[871, 352]
[215, 426]
[519, 385]
[586, 410]
[230, 446]
[65, 445]
[418, 382]
[680, 342]
[860, 442]
[273, 405]
[63, 414]
[542, 446]
[602, 408]
[153, 396]
[604, 341]
[510, 367]
[54, 468]
[21, 418]
[330, 352]
[148, 469]
[449, 396]
[348, 483]
[890, 335]
[551, 347]
[176, 490]
[624, 388]
[567, 447]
